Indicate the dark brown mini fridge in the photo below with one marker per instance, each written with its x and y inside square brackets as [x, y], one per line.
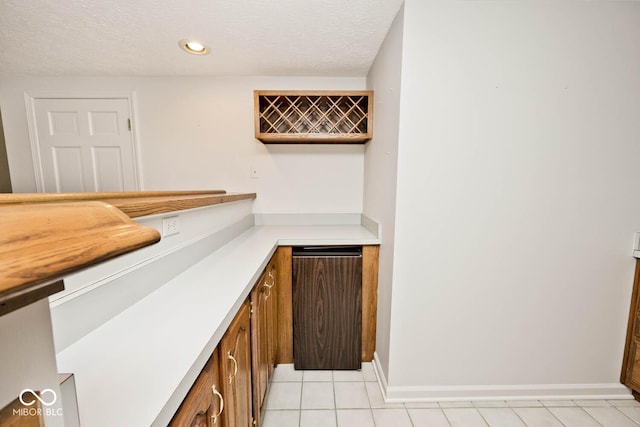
[327, 307]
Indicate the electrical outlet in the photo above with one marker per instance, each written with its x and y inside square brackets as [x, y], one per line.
[170, 226]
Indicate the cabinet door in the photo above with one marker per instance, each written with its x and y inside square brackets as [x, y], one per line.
[264, 337]
[633, 376]
[260, 335]
[272, 313]
[630, 375]
[235, 368]
[217, 408]
[202, 406]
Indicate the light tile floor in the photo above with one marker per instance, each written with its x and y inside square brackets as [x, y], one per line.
[353, 399]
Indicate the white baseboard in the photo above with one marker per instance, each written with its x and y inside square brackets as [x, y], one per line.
[401, 394]
[382, 379]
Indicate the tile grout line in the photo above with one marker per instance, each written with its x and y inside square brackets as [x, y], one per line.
[335, 400]
[507, 407]
[618, 409]
[373, 418]
[446, 417]
[438, 408]
[546, 409]
[481, 416]
[553, 415]
[590, 416]
[407, 412]
[300, 403]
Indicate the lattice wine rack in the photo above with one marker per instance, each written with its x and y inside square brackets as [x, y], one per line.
[313, 117]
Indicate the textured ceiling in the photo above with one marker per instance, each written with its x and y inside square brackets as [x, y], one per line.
[140, 37]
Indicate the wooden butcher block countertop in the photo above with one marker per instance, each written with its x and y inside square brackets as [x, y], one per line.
[47, 236]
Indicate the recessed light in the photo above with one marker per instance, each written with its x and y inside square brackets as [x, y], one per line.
[194, 47]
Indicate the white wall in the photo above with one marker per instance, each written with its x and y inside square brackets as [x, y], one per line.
[197, 133]
[101, 292]
[380, 170]
[517, 197]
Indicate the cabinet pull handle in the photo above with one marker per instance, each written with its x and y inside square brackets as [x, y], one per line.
[235, 366]
[265, 285]
[214, 418]
[272, 277]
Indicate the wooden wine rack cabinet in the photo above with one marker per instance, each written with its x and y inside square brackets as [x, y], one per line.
[326, 117]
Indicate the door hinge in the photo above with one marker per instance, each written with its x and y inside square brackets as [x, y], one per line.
[250, 308]
[129, 123]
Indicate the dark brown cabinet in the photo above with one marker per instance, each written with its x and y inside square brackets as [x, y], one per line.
[272, 316]
[630, 375]
[327, 308]
[235, 370]
[263, 324]
[203, 405]
[232, 388]
[222, 395]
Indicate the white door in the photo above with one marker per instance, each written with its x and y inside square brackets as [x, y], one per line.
[85, 145]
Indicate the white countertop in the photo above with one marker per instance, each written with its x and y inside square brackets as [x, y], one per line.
[136, 368]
